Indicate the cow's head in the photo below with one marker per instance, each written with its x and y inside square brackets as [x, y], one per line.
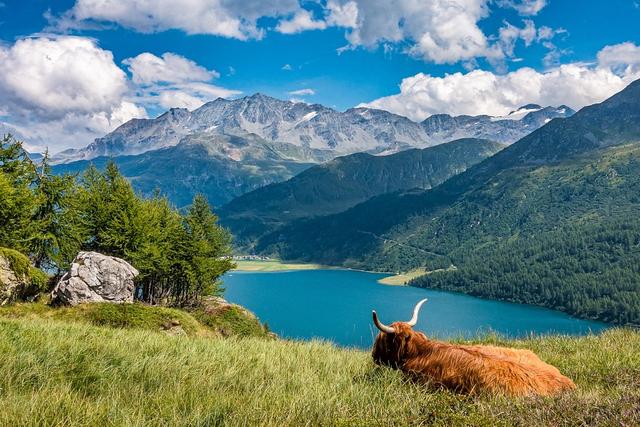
[393, 344]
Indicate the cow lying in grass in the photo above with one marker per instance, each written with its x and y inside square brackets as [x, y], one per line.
[465, 369]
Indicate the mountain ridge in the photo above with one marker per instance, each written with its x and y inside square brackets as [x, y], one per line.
[343, 182]
[311, 126]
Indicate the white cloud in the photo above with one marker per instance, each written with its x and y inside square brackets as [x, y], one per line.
[173, 81]
[191, 95]
[547, 33]
[75, 130]
[170, 68]
[64, 91]
[55, 76]
[524, 7]
[179, 99]
[302, 92]
[287, 67]
[483, 92]
[301, 21]
[55, 89]
[342, 14]
[509, 34]
[623, 58]
[234, 19]
[442, 31]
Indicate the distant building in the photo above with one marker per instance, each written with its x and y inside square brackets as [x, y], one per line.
[251, 258]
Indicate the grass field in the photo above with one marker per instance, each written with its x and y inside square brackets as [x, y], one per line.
[274, 265]
[209, 320]
[71, 373]
[404, 278]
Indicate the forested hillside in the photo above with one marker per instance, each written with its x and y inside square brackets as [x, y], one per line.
[551, 220]
[346, 181]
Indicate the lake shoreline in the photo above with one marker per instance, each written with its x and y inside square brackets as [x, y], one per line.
[266, 266]
[273, 266]
[392, 280]
[340, 301]
[279, 266]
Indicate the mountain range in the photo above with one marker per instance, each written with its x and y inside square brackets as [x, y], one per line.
[230, 147]
[219, 166]
[550, 220]
[312, 127]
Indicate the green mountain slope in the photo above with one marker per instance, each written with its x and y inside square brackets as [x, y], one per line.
[557, 210]
[346, 181]
[219, 166]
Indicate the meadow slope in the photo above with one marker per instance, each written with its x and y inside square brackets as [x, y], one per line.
[69, 373]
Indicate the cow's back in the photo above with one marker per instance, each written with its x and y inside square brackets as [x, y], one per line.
[501, 370]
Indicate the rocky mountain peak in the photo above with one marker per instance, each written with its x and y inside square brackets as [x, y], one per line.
[311, 127]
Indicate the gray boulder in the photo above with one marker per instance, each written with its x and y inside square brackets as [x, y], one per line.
[10, 282]
[94, 277]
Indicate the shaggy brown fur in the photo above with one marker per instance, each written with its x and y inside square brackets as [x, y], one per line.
[468, 369]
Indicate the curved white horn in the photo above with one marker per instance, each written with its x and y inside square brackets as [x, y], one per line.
[380, 325]
[414, 319]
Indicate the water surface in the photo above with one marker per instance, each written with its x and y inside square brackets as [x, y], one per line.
[336, 305]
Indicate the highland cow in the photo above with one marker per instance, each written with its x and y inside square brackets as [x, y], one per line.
[468, 369]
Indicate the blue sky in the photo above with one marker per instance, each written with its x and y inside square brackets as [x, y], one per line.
[413, 58]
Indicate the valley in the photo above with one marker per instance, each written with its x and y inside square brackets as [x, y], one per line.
[564, 193]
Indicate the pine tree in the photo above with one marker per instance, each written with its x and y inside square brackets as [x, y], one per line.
[209, 248]
[17, 202]
[59, 233]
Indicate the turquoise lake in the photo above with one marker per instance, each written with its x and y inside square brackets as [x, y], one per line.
[336, 305]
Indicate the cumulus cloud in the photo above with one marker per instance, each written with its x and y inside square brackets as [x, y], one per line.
[75, 130]
[233, 19]
[623, 58]
[342, 14]
[524, 7]
[148, 68]
[191, 95]
[172, 80]
[483, 92]
[56, 88]
[64, 91]
[300, 21]
[442, 31]
[302, 92]
[55, 76]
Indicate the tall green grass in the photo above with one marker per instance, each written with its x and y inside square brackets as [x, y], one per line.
[60, 373]
[228, 320]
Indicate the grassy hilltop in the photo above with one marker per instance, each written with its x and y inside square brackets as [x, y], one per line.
[61, 368]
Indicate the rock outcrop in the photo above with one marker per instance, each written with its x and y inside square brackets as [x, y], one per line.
[19, 280]
[94, 277]
[10, 282]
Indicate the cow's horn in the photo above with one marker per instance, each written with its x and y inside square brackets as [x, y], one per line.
[414, 319]
[380, 325]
